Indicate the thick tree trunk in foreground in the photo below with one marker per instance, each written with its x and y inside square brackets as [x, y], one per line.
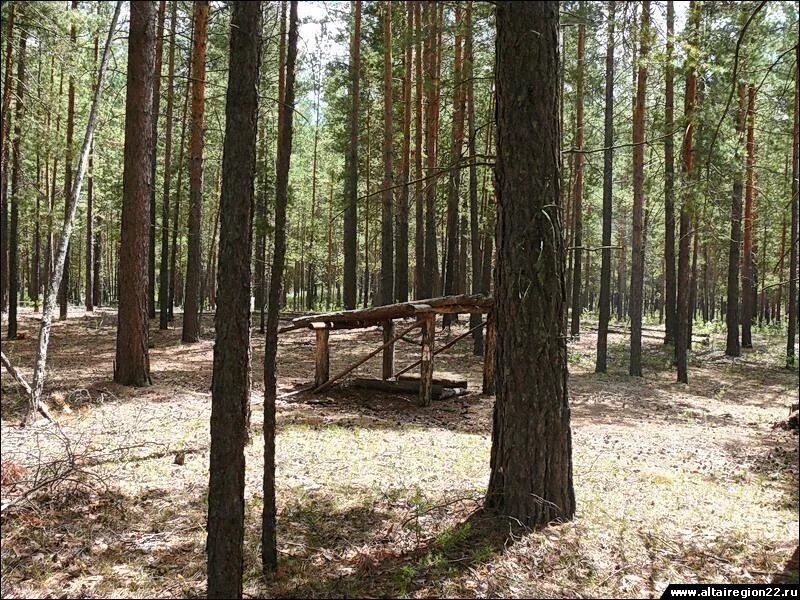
[269, 547]
[350, 217]
[58, 262]
[669, 182]
[230, 387]
[387, 200]
[732, 347]
[746, 315]
[577, 190]
[531, 461]
[132, 365]
[191, 308]
[608, 188]
[637, 244]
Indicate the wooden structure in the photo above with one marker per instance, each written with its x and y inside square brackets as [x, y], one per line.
[424, 314]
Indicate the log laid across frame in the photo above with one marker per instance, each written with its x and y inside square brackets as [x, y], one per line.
[424, 312]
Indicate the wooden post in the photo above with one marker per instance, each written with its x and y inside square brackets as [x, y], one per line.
[323, 361]
[388, 351]
[490, 353]
[426, 364]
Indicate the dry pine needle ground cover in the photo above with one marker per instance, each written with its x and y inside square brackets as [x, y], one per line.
[378, 497]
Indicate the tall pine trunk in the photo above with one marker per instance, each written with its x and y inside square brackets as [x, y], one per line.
[401, 251]
[350, 217]
[191, 308]
[151, 257]
[132, 365]
[577, 189]
[4, 147]
[431, 134]
[230, 387]
[748, 303]
[64, 299]
[601, 364]
[387, 203]
[163, 270]
[531, 458]
[793, 307]
[16, 183]
[638, 241]
[474, 220]
[687, 200]
[669, 182]
[269, 547]
[732, 347]
[454, 183]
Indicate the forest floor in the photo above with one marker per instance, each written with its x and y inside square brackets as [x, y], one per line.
[379, 497]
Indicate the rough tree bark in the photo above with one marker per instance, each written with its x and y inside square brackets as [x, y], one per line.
[132, 365]
[191, 308]
[58, 261]
[531, 459]
[638, 241]
[350, 217]
[230, 387]
[601, 364]
[269, 548]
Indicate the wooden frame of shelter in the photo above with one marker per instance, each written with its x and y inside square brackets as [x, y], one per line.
[424, 311]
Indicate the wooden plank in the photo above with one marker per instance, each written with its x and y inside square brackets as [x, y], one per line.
[462, 303]
[395, 386]
[426, 362]
[490, 354]
[388, 351]
[354, 366]
[323, 360]
[443, 381]
[443, 348]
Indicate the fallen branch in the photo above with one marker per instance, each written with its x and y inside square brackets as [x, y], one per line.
[20, 379]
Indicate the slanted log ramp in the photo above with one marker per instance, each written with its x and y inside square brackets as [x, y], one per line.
[424, 313]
